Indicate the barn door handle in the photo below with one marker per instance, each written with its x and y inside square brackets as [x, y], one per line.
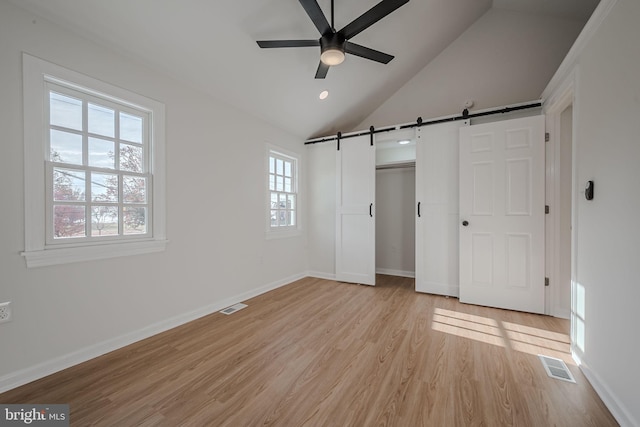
[371, 210]
[418, 209]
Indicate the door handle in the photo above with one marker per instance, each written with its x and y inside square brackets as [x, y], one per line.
[371, 210]
[465, 223]
[418, 209]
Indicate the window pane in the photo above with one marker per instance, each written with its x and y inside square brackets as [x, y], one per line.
[65, 111]
[291, 217]
[282, 218]
[68, 221]
[130, 127]
[272, 167]
[274, 200]
[134, 189]
[101, 153]
[131, 158]
[68, 184]
[279, 167]
[135, 220]
[287, 185]
[274, 218]
[101, 120]
[287, 169]
[279, 183]
[104, 187]
[272, 182]
[104, 221]
[65, 147]
[282, 201]
[291, 201]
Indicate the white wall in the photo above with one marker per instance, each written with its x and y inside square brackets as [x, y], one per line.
[395, 221]
[503, 58]
[321, 212]
[607, 126]
[216, 206]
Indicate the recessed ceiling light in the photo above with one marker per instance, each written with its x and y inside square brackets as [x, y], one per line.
[404, 141]
[324, 94]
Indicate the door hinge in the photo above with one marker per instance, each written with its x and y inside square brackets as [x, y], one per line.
[546, 137]
[546, 209]
[546, 281]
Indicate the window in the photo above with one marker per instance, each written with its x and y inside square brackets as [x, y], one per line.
[283, 193]
[94, 168]
[97, 170]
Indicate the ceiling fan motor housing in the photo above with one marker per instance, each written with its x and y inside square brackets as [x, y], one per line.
[332, 48]
[332, 41]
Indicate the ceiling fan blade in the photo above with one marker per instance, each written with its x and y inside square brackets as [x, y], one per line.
[317, 16]
[322, 70]
[370, 17]
[365, 52]
[287, 43]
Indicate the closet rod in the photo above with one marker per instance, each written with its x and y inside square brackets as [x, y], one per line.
[419, 122]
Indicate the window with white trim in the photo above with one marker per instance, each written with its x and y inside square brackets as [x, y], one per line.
[98, 176]
[94, 168]
[283, 192]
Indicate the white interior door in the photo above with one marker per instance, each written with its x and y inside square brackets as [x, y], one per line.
[437, 210]
[355, 211]
[501, 226]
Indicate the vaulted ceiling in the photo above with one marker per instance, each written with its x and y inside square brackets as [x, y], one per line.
[211, 45]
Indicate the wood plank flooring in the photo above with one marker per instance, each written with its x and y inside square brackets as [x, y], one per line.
[323, 353]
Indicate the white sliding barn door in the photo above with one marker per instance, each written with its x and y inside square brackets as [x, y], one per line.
[355, 213]
[437, 210]
[502, 183]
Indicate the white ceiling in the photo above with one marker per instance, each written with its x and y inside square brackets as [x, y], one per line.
[210, 44]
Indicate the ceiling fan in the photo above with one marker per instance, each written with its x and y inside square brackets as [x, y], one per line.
[334, 44]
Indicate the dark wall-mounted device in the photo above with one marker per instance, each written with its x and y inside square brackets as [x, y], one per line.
[588, 190]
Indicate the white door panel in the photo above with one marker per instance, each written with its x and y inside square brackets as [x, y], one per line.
[355, 216]
[437, 222]
[502, 200]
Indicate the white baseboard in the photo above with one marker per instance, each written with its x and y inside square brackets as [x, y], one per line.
[618, 410]
[392, 272]
[27, 375]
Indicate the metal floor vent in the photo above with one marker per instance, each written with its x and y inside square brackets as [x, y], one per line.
[556, 368]
[233, 308]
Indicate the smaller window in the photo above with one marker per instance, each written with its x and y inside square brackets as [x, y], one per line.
[282, 192]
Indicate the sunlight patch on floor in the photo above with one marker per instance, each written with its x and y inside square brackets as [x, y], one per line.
[525, 339]
[468, 326]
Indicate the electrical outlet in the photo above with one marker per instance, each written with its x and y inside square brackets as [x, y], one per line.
[5, 312]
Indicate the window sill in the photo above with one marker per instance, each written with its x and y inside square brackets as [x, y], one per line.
[55, 256]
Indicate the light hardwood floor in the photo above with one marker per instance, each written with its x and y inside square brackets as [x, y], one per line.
[322, 353]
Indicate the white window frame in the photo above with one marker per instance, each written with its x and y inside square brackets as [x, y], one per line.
[38, 250]
[282, 231]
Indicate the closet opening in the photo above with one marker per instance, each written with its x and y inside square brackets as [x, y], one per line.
[395, 203]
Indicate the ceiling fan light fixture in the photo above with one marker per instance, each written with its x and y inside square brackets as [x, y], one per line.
[332, 56]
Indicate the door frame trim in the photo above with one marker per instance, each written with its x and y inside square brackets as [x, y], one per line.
[562, 97]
